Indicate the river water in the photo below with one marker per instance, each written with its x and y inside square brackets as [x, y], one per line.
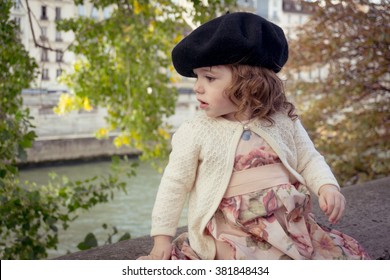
[129, 212]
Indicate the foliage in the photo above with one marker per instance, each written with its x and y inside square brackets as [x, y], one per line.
[90, 240]
[17, 70]
[346, 108]
[31, 215]
[124, 65]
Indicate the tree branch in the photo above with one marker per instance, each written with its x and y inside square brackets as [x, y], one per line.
[33, 32]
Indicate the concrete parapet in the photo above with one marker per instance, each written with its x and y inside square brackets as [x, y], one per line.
[366, 219]
[79, 148]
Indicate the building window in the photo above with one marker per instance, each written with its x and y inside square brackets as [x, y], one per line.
[94, 13]
[59, 72]
[81, 10]
[275, 15]
[58, 36]
[44, 13]
[59, 55]
[18, 21]
[45, 74]
[43, 36]
[17, 4]
[107, 12]
[58, 13]
[44, 55]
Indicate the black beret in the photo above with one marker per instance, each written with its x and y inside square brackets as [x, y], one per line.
[242, 38]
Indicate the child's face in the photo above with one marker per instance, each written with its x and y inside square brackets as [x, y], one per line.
[210, 87]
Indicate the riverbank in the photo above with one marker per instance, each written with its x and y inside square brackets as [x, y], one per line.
[78, 148]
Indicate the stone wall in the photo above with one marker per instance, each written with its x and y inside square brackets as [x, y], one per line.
[72, 136]
[65, 149]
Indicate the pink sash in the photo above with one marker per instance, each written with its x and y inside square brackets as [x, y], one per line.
[257, 178]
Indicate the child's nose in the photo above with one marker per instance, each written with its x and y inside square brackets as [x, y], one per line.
[198, 87]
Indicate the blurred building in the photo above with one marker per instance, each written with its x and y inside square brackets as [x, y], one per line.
[288, 14]
[37, 21]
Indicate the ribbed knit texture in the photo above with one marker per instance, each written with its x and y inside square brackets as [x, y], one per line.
[201, 163]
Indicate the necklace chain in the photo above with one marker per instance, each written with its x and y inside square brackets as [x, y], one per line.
[245, 125]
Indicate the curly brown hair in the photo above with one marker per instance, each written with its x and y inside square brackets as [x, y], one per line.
[259, 89]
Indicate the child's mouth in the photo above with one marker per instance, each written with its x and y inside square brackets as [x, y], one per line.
[203, 105]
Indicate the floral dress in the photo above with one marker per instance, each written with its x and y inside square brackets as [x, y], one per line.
[268, 221]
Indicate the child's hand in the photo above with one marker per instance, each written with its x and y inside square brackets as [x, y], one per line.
[332, 202]
[162, 249]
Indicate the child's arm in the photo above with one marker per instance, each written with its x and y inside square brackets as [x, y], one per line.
[318, 175]
[332, 202]
[311, 165]
[177, 180]
[161, 250]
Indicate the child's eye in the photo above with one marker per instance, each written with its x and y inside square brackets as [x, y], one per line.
[210, 79]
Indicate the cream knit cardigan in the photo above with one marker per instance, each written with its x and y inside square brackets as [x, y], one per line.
[201, 163]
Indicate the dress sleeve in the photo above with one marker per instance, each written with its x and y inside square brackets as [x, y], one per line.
[311, 164]
[177, 181]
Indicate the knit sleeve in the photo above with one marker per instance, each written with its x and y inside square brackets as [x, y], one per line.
[311, 164]
[177, 181]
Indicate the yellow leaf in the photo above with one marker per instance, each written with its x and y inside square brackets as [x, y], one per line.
[102, 132]
[164, 133]
[157, 150]
[157, 12]
[151, 26]
[77, 65]
[135, 136]
[86, 105]
[126, 140]
[137, 7]
[174, 79]
[118, 142]
[65, 104]
[178, 38]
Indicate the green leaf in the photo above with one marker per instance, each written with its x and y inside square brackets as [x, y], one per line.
[89, 242]
[125, 236]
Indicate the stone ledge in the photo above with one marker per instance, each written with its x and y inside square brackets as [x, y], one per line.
[366, 219]
[54, 150]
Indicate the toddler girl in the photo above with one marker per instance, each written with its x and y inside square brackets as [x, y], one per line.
[247, 164]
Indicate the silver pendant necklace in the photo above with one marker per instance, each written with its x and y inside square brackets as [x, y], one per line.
[245, 125]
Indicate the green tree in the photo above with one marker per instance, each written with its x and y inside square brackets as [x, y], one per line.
[346, 108]
[30, 215]
[125, 66]
[17, 70]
